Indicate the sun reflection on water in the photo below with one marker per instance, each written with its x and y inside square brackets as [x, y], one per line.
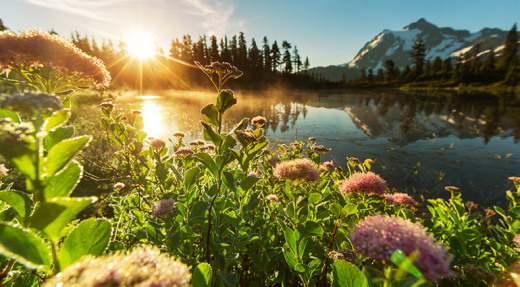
[154, 118]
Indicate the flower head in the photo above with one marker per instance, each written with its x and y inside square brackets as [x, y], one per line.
[379, 236]
[516, 240]
[514, 179]
[258, 121]
[451, 188]
[34, 48]
[297, 170]
[157, 143]
[400, 198]
[369, 183]
[184, 151]
[119, 185]
[3, 171]
[272, 197]
[179, 134]
[320, 149]
[329, 165]
[162, 207]
[143, 266]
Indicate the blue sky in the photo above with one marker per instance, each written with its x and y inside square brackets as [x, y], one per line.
[329, 32]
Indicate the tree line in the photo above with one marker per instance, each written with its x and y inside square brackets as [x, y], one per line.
[475, 67]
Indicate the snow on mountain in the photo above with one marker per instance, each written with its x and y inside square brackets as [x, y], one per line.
[439, 42]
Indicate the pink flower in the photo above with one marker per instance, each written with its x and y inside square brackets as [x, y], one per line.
[514, 179]
[162, 207]
[259, 121]
[179, 134]
[119, 185]
[184, 151]
[157, 143]
[379, 236]
[369, 183]
[297, 170]
[516, 240]
[400, 198]
[329, 165]
[272, 197]
[451, 188]
[34, 48]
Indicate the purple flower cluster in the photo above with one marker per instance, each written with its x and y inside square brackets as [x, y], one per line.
[258, 121]
[298, 170]
[369, 183]
[162, 207]
[379, 236]
[34, 47]
[400, 198]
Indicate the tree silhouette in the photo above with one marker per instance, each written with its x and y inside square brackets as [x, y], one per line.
[418, 53]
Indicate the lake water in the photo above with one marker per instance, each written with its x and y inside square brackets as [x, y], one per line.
[421, 143]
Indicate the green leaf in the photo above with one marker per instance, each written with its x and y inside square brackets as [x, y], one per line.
[208, 161]
[211, 135]
[8, 114]
[225, 100]
[56, 119]
[18, 200]
[248, 182]
[291, 236]
[57, 135]
[62, 153]
[191, 177]
[63, 183]
[405, 263]
[202, 275]
[24, 246]
[231, 279]
[346, 274]
[91, 236]
[53, 215]
[315, 198]
[211, 113]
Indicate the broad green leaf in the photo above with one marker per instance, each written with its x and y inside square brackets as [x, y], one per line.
[225, 100]
[90, 237]
[229, 181]
[231, 279]
[191, 177]
[314, 198]
[202, 275]
[24, 246]
[56, 119]
[18, 200]
[249, 182]
[291, 236]
[53, 215]
[211, 113]
[57, 135]
[208, 161]
[405, 263]
[210, 134]
[25, 163]
[4, 113]
[346, 274]
[64, 182]
[62, 153]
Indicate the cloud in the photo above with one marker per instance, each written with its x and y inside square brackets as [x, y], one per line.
[216, 14]
[92, 9]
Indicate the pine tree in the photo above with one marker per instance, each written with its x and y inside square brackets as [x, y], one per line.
[418, 54]
[391, 70]
[306, 64]
[287, 59]
[214, 53]
[267, 55]
[275, 56]
[488, 66]
[510, 49]
[255, 58]
[2, 26]
[297, 60]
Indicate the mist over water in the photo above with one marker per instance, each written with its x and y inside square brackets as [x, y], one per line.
[421, 143]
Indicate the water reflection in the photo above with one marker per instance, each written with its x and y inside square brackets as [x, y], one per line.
[419, 142]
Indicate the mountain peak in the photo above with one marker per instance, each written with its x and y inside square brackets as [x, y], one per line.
[421, 24]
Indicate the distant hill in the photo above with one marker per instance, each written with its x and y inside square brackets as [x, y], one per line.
[397, 45]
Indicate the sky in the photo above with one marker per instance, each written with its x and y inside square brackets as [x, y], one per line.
[329, 32]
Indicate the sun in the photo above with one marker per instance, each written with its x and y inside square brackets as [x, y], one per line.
[140, 44]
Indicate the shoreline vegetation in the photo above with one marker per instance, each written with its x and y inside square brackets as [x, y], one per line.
[218, 211]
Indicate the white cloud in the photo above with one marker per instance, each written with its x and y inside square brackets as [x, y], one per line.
[92, 9]
[215, 14]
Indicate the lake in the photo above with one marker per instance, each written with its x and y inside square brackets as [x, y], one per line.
[420, 142]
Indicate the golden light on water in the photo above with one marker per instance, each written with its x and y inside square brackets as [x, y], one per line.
[154, 118]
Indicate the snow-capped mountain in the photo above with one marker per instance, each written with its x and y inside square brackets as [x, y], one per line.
[397, 46]
[439, 42]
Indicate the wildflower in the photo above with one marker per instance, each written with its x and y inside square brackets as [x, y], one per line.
[295, 144]
[201, 142]
[222, 68]
[136, 112]
[3, 171]
[184, 151]
[272, 197]
[297, 170]
[514, 179]
[143, 266]
[345, 254]
[379, 236]
[246, 135]
[354, 160]
[254, 173]
[211, 146]
[265, 152]
[400, 198]
[162, 207]
[107, 105]
[179, 134]
[157, 143]
[35, 48]
[369, 183]
[312, 139]
[320, 149]
[273, 161]
[516, 240]
[259, 121]
[33, 104]
[119, 185]
[329, 165]
[451, 188]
